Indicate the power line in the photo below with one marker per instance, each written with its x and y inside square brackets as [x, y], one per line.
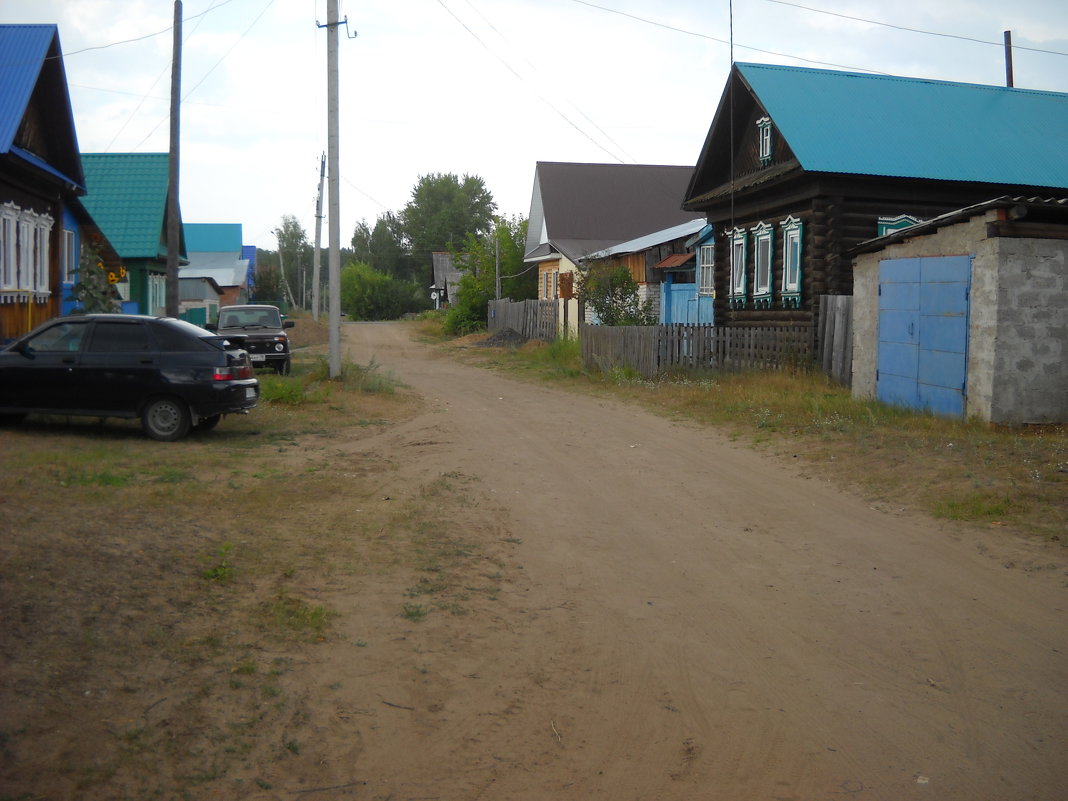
[916, 30]
[146, 36]
[723, 41]
[523, 80]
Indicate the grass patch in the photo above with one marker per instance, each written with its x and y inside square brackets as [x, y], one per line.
[292, 616]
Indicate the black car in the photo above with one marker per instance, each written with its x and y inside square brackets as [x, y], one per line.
[170, 373]
[261, 330]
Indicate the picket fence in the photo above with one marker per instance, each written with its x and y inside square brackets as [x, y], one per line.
[653, 349]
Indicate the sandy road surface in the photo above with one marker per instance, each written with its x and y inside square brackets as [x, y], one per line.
[701, 622]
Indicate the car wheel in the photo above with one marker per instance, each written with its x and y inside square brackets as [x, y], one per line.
[207, 423]
[165, 419]
[283, 367]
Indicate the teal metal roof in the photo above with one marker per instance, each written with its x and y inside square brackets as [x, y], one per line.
[127, 196]
[912, 128]
[213, 238]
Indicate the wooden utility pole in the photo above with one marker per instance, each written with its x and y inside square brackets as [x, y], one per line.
[318, 236]
[334, 189]
[174, 233]
[1008, 58]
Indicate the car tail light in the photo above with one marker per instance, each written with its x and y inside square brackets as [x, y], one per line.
[233, 372]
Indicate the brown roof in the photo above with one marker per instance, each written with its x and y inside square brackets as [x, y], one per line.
[674, 260]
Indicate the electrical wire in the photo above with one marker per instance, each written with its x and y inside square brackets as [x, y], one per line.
[523, 80]
[916, 30]
[146, 36]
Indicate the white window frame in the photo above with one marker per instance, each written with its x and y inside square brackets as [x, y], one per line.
[739, 250]
[764, 139]
[885, 225]
[792, 257]
[70, 256]
[545, 285]
[763, 253]
[42, 245]
[8, 252]
[157, 294]
[706, 263]
[556, 285]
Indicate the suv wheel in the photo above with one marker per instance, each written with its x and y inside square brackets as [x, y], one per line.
[283, 367]
[165, 419]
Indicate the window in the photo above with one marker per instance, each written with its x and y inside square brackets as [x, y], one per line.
[887, 224]
[545, 285]
[556, 284]
[762, 261]
[764, 140]
[706, 259]
[65, 337]
[121, 337]
[157, 294]
[8, 262]
[738, 253]
[24, 251]
[70, 257]
[791, 261]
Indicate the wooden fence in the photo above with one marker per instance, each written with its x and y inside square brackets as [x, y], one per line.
[836, 337]
[650, 350]
[534, 319]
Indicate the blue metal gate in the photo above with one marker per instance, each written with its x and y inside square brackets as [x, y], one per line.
[923, 333]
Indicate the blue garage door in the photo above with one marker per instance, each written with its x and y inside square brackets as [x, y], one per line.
[923, 333]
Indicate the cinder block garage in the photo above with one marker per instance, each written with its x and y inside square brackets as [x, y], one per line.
[966, 315]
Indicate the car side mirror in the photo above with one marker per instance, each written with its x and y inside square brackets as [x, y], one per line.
[25, 350]
[288, 324]
[211, 327]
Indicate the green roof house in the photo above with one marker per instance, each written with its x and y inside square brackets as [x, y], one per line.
[127, 197]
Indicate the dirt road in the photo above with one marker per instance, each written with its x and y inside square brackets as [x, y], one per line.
[696, 621]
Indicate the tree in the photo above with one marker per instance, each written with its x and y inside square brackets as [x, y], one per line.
[442, 212]
[384, 247]
[612, 293]
[479, 261]
[367, 294]
[295, 254]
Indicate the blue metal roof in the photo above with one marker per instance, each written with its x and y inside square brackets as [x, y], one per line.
[22, 53]
[913, 128]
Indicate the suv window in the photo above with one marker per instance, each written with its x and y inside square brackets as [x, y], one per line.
[239, 318]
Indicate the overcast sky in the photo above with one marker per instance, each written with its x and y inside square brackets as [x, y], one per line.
[480, 87]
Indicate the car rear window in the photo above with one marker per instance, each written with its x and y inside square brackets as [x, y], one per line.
[178, 336]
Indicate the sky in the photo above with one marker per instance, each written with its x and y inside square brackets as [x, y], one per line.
[477, 87]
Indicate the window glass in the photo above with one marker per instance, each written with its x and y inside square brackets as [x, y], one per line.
[762, 258]
[121, 337]
[738, 263]
[172, 336]
[707, 257]
[65, 337]
[70, 256]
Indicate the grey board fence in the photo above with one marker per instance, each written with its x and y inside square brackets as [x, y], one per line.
[650, 350]
[836, 337]
[534, 319]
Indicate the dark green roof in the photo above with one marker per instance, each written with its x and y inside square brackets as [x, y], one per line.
[127, 196]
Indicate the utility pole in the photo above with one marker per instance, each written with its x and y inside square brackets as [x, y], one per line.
[497, 257]
[1008, 59]
[174, 234]
[318, 235]
[334, 189]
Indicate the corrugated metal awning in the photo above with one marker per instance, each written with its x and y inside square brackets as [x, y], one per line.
[673, 261]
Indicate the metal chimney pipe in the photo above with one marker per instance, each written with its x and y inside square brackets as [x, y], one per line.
[1008, 58]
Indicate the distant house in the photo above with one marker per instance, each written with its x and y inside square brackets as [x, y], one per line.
[446, 279]
[215, 251]
[199, 299]
[127, 196]
[580, 209]
[800, 165]
[664, 266]
[966, 315]
[42, 223]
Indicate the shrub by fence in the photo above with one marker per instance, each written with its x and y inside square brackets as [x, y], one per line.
[650, 350]
[534, 319]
